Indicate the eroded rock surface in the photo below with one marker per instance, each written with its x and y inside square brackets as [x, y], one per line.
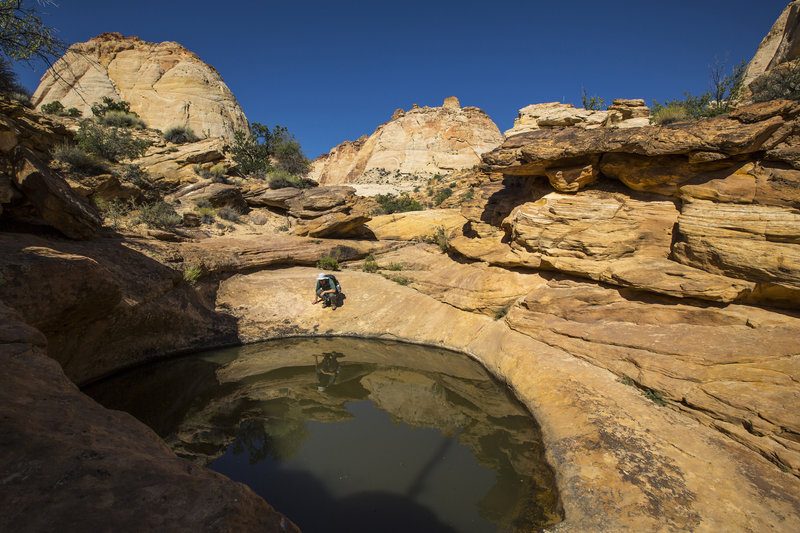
[166, 84]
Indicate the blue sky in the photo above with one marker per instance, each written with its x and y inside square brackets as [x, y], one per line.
[333, 71]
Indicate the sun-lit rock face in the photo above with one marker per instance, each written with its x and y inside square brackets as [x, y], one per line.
[423, 141]
[623, 113]
[166, 84]
[781, 44]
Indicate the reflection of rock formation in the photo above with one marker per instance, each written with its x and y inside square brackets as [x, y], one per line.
[261, 407]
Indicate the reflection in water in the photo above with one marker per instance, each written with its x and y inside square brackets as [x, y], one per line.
[348, 434]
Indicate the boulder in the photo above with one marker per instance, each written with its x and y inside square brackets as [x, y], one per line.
[53, 200]
[173, 165]
[218, 195]
[165, 84]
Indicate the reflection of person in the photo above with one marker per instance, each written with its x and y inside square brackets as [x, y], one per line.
[327, 369]
[325, 285]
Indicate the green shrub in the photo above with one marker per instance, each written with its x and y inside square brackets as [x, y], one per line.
[668, 115]
[401, 280]
[115, 211]
[191, 273]
[228, 213]
[719, 99]
[328, 263]
[53, 108]
[254, 151]
[780, 82]
[469, 194]
[135, 174]
[279, 179]
[626, 380]
[202, 202]
[439, 238]
[391, 203]
[442, 195]
[283, 227]
[395, 266]
[79, 160]
[593, 103]
[207, 214]
[121, 119]
[180, 135]
[370, 265]
[73, 112]
[158, 215]
[109, 143]
[108, 104]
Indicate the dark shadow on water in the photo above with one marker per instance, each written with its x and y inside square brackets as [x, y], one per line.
[319, 511]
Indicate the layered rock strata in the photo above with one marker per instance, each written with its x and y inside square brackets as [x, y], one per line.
[623, 113]
[423, 141]
[685, 229]
[166, 84]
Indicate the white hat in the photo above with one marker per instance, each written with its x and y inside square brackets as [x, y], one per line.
[321, 275]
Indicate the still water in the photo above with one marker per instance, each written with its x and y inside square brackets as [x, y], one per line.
[351, 435]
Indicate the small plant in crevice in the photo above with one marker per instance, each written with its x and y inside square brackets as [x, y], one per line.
[502, 312]
[328, 263]
[191, 273]
[395, 266]
[439, 238]
[652, 395]
[207, 214]
[283, 227]
[400, 280]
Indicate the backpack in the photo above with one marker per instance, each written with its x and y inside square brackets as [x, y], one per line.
[335, 282]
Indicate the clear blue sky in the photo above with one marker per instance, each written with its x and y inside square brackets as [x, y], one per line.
[334, 70]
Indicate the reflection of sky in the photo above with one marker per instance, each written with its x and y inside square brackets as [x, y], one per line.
[371, 454]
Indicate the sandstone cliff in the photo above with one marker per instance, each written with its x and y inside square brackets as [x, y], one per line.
[420, 142]
[166, 84]
[781, 44]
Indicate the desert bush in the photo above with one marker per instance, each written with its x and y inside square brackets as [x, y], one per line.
[283, 227]
[191, 273]
[228, 213]
[53, 108]
[180, 135]
[401, 280]
[202, 202]
[207, 214]
[395, 266]
[122, 119]
[592, 103]
[469, 194]
[669, 114]
[723, 94]
[109, 143]
[115, 211]
[439, 238]
[73, 112]
[502, 312]
[328, 263]
[279, 179]
[217, 173]
[391, 203]
[780, 82]
[253, 151]
[109, 104]
[135, 174]
[370, 265]
[79, 161]
[158, 215]
[442, 195]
